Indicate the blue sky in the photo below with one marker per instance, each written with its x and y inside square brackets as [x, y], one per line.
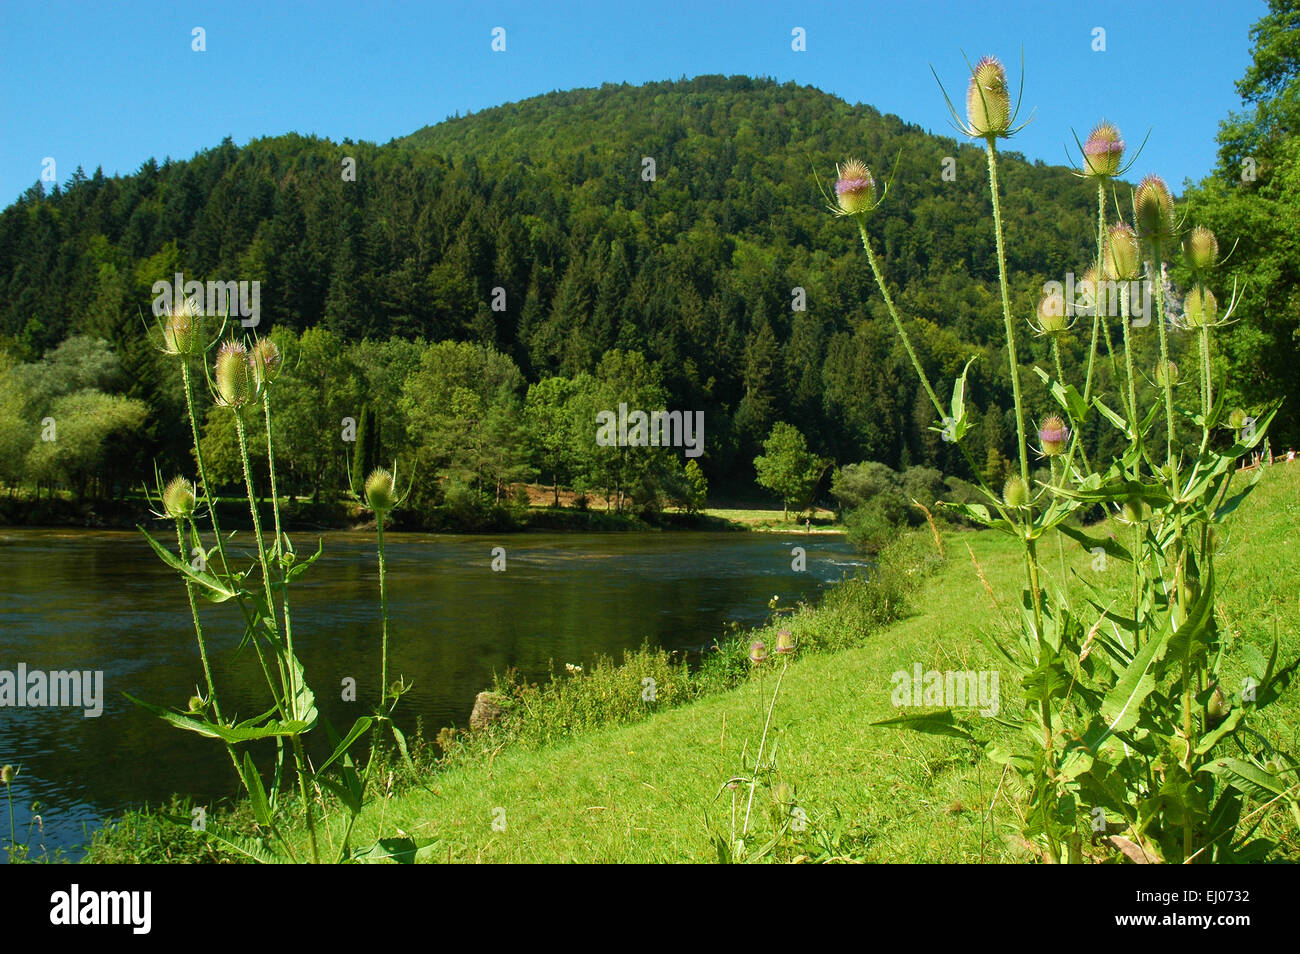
[94, 84]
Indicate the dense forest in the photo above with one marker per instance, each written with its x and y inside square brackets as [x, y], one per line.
[471, 293]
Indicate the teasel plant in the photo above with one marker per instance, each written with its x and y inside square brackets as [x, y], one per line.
[241, 379]
[1125, 732]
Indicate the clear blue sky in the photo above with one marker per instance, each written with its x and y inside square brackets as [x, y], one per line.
[113, 84]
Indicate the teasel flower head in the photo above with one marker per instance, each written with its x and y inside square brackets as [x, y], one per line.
[1052, 319]
[783, 795]
[381, 490]
[1121, 258]
[7, 774]
[1135, 510]
[1103, 151]
[178, 499]
[182, 330]
[988, 100]
[1200, 308]
[196, 704]
[1201, 249]
[1088, 292]
[855, 188]
[236, 383]
[1053, 436]
[266, 361]
[1238, 419]
[757, 652]
[1165, 373]
[1016, 492]
[1154, 214]
[784, 643]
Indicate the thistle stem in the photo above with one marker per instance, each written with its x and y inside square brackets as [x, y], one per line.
[1157, 270]
[1014, 365]
[920, 371]
[991, 151]
[383, 614]
[287, 674]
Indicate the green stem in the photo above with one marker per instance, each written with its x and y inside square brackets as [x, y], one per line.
[1014, 364]
[993, 496]
[1157, 276]
[383, 614]
[898, 324]
[287, 674]
[762, 741]
[250, 620]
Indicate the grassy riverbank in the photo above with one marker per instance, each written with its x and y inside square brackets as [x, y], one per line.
[583, 770]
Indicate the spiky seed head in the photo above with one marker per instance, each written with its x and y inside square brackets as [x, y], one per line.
[1051, 312]
[235, 382]
[1166, 373]
[1156, 221]
[1103, 151]
[1122, 257]
[196, 703]
[1016, 492]
[784, 642]
[1088, 291]
[1135, 510]
[855, 189]
[178, 499]
[381, 491]
[182, 331]
[1201, 248]
[1200, 308]
[7, 774]
[1237, 419]
[266, 361]
[757, 652]
[1053, 436]
[783, 794]
[988, 100]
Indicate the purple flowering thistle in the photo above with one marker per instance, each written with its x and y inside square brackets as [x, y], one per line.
[1053, 435]
[855, 189]
[1103, 151]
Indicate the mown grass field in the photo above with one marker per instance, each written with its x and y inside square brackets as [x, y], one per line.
[655, 791]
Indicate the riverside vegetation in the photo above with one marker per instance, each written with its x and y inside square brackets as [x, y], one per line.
[1143, 723]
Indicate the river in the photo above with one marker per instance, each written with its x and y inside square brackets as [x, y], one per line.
[102, 601]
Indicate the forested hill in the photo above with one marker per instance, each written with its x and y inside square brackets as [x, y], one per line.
[550, 199]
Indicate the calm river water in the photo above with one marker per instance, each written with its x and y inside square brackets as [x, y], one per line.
[92, 600]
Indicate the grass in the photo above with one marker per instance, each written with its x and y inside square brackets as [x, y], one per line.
[653, 789]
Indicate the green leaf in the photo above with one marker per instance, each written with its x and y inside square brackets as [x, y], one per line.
[358, 727]
[298, 569]
[1068, 396]
[404, 851]
[935, 723]
[256, 793]
[1246, 778]
[213, 588]
[1120, 707]
[239, 733]
[1110, 545]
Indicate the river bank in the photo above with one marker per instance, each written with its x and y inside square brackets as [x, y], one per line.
[646, 785]
[305, 515]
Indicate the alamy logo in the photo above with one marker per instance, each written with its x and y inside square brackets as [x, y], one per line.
[951, 689]
[241, 300]
[657, 429]
[72, 907]
[82, 689]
